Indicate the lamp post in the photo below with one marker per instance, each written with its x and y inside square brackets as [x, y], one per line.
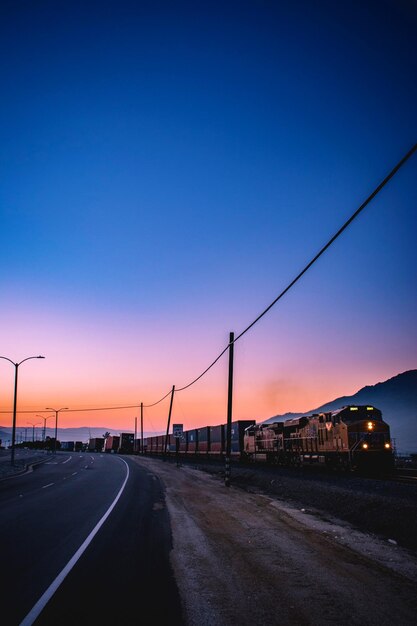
[48, 408]
[33, 430]
[44, 424]
[16, 365]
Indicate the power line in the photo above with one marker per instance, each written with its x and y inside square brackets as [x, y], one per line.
[103, 408]
[147, 406]
[318, 255]
[205, 371]
[269, 307]
[329, 243]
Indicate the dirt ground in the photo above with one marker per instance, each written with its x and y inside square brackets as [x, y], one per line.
[246, 558]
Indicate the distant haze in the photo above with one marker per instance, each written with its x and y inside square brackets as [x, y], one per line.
[64, 434]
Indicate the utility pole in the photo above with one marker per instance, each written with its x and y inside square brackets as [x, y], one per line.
[169, 419]
[229, 411]
[135, 444]
[141, 427]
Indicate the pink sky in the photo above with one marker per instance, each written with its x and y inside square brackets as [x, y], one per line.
[108, 363]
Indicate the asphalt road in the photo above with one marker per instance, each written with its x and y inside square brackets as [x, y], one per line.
[47, 515]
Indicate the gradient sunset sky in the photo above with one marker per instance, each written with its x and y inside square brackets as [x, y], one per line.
[167, 168]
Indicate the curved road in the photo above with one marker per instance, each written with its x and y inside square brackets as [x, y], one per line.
[47, 515]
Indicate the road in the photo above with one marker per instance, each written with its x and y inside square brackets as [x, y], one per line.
[47, 515]
[180, 548]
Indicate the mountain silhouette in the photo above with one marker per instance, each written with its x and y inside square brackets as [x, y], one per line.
[395, 397]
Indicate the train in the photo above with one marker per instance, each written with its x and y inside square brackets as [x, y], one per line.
[350, 438]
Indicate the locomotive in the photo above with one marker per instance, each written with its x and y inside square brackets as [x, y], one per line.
[350, 438]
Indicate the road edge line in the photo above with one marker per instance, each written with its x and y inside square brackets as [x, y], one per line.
[47, 595]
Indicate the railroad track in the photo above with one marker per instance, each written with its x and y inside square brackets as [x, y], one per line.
[409, 477]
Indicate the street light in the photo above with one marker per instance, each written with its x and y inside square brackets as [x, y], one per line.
[44, 424]
[33, 430]
[16, 365]
[48, 408]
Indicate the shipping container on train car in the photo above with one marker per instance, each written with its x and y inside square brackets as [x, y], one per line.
[203, 438]
[112, 443]
[126, 443]
[192, 441]
[160, 444]
[217, 439]
[68, 446]
[183, 443]
[237, 438]
[171, 444]
[95, 444]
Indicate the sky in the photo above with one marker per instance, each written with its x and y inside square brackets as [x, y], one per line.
[167, 169]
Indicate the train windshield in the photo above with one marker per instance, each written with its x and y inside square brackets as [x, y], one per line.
[351, 414]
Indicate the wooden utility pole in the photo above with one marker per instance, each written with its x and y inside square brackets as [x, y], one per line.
[141, 427]
[229, 411]
[169, 419]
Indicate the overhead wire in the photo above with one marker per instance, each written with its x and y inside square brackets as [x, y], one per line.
[329, 243]
[315, 258]
[280, 295]
[148, 406]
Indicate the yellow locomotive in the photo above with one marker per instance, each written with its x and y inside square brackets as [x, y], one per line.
[352, 437]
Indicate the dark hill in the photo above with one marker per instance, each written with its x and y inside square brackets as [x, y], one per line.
[395, 397]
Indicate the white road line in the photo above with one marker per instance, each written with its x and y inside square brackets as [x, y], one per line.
[44, 599]
[48, 485]
[63, 462]
[73, 474]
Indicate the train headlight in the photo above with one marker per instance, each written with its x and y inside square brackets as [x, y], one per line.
[387, 445]
[365, 446]
[370, 425]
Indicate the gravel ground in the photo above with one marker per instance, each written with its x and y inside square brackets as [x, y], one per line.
[385, 508]
[244, 556]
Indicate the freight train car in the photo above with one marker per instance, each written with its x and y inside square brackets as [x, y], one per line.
[205, 441]
[95, 444]
[111, 443]
[126, 443]
[353, 437]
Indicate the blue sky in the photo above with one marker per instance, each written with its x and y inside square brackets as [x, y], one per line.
[167, 168]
